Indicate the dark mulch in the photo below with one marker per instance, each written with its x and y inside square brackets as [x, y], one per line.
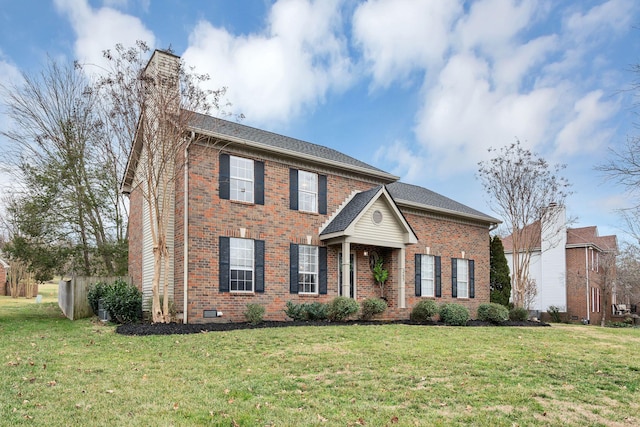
[179, 328]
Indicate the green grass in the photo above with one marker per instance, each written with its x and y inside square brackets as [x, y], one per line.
[58, 372]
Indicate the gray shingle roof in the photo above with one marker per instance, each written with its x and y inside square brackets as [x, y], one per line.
[213, 125]
[349, 213]
[429, 199]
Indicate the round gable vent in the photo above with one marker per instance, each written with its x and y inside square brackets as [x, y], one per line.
[377, 217]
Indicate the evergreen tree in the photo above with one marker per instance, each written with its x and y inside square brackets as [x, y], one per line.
[500, 280]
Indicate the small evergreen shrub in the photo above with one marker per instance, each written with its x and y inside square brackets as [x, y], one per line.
[306, 311]
[493, 312]
[254, 313]
[554, 313]
[123, 302]
[454, 314]
[95, 292]
[619, 325]
[518, 314]
[341, 308]
[373, 306]
[424, 311]
[316, 311]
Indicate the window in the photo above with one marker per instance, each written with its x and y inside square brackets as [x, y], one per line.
[595, 300]
[307, 191]
[241, 174]
[462, 278]
[307, 269]
[427, 278]
[241, 264]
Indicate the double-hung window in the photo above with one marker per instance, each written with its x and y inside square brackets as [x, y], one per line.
[307, 269]
[427, 277]
[241, 179]
[241, 264]
[462, 278]
[307, 191]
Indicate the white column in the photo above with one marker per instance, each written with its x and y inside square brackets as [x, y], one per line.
[346, 256]
[401, 279]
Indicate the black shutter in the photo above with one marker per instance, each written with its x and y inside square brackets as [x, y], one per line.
[322, 270]
[438, 272]
[293, 268]
[418, 275]
[322, 194]
[224, 264]
[224, 182]
[258, 182]
[293, 189]
[472, 284]
[454, 278]
[258, 248]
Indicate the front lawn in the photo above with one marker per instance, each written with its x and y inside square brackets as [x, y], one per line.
[58, 372]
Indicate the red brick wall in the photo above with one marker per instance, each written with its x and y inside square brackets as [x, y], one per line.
[578, 275]
[279, 226]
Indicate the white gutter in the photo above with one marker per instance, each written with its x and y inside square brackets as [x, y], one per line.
[185, 233]
[586, 266]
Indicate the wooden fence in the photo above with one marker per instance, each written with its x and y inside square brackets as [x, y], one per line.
[72, 294]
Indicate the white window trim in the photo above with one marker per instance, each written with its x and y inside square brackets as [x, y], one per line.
[424, 277]
[315, 272]
[465, 263]
[233, 240]
[301, 191]
[249, 182]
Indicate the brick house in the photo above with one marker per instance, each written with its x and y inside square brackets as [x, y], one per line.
[574, 270]
[269, 219]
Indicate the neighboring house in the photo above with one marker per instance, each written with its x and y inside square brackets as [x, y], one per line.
[4, 270]
[567, 265]
[269, 219]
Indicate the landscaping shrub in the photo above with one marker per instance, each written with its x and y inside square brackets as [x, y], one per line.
[306, 311]
[424, 311]
[123, 302]
[95, 292]
[619, 325]
[372, 307]
[340, 308]
[316, 311]
[554, 313]
[254, 313]
[454, 314]
[518, 314]
[493, 312]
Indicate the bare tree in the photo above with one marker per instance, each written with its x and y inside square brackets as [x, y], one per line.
[607, 266]
[522, 187]
[628, 274]
[162, 99]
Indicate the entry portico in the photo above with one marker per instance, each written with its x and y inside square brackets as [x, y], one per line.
[369, 218]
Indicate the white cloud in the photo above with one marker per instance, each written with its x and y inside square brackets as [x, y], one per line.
[273, 75]
[602, 21]
[399, 36]
[101, 29]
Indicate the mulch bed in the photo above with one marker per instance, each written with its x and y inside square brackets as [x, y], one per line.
[179, 328]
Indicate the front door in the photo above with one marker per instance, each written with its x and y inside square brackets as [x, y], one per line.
[352, 273]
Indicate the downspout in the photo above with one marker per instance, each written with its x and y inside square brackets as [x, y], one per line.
[185, 232]
[586, 269]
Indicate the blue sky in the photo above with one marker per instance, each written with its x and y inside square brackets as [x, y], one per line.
[419, 88]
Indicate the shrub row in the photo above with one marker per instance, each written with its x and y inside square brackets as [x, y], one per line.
[122, 301]
[458, 315]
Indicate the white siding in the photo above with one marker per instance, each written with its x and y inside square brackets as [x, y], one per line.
[389, 229]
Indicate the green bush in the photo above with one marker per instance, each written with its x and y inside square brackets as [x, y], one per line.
[123, 302]
[493, 312]
[619, 325]
[95, 292]
[306, 311]
[316, 311]
[254, 313]
[424, 311]
[518, 314]
[372, 307]
[454, 314]
[554, 313]
[340, 308]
